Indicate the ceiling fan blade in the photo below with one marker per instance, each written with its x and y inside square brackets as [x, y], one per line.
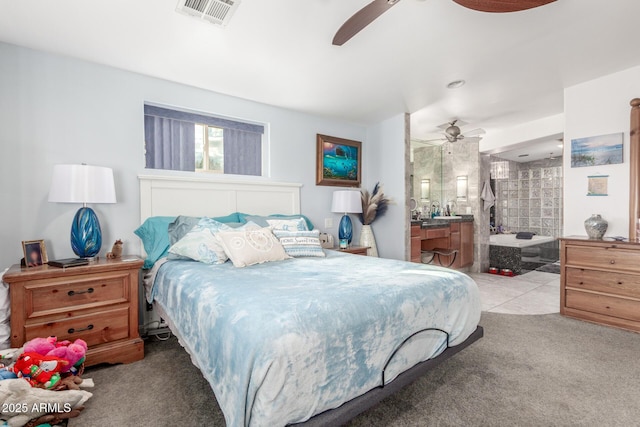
[501, 6]
[361, 19]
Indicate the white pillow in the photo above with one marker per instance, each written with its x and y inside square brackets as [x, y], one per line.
[300, 243]
[249, 247]
[298, 224]
[200, 244]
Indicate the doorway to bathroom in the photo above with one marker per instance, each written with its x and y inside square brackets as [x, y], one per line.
[528, 187]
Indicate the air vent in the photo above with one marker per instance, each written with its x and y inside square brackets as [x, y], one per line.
[217, 12]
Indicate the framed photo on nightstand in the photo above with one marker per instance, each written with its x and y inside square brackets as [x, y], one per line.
[35, 253]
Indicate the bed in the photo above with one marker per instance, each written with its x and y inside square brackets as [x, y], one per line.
[304, 340]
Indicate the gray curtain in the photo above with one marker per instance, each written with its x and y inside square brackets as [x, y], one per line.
[169, 144]
[242, 152]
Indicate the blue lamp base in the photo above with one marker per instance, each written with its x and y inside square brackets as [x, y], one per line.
[345, 229]
[86, 236]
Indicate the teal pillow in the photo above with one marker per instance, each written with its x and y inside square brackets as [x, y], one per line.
[234, 217]
[155, 238]
[261, 220]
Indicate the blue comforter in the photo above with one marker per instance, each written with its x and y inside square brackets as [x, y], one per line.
[283, 341]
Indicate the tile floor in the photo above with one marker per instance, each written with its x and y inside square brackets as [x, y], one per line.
[531, 293]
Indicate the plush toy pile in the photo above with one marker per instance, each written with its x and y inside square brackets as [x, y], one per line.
[41, 382]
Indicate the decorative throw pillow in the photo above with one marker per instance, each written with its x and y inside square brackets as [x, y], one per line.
[248, 247]
[288, 224]
[200, 243]
[300, 243]
[261, 220]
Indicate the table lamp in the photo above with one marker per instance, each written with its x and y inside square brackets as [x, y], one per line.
[83, 184]
[346, 201]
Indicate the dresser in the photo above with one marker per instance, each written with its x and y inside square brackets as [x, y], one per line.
[97, 303]
[600, 281]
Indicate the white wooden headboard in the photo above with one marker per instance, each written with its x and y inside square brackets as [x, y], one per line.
[205, 196]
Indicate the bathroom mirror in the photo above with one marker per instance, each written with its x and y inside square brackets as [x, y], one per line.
[425, 189]
[462, 188]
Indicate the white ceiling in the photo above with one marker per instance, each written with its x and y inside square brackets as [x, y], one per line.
[279, 52]
[530, 151]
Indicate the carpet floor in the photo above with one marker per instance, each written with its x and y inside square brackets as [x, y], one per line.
[542, 370]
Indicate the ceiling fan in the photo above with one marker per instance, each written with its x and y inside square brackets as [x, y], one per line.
[452, 133]
[373, 10]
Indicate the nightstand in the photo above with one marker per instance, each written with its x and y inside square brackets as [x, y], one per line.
[97, 303]
[356, 250]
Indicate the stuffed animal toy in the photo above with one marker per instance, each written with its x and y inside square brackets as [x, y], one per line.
[116, 251]
[41, 371]
[72, 352]
[40, 345]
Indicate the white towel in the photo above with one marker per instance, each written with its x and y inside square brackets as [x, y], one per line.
[487, 195]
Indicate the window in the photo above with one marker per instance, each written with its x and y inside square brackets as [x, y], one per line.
[209, 148]
[178, 140]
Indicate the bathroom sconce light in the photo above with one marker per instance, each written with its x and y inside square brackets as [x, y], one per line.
[425, 189]
[462, 188]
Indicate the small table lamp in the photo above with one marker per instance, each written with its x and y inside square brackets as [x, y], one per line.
[83, 184]
[346, 201]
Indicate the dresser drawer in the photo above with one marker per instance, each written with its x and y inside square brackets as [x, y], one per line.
[604, 257]
[603, 304]
[415, 231]
[603, 281]
[95, 327]
[46, 297]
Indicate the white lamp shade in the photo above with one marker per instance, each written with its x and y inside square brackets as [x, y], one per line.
[82, 184]
[346, 201]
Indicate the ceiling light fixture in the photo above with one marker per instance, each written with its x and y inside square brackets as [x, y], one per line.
[456, 84]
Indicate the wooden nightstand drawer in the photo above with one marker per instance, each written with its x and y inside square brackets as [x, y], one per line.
[94, 328]
[603, 304]
[607, 257]
[45, 297]
[603, 281]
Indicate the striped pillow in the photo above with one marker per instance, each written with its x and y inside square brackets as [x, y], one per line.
[300, 243]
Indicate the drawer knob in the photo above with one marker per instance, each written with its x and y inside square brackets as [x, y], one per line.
[613, 261]
[72, 330]
[72, 293]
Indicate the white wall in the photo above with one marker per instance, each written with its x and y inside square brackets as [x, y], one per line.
[599, 107]
[55, 109]
[385, 158]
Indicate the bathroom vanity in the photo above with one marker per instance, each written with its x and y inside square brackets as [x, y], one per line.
[446, 233]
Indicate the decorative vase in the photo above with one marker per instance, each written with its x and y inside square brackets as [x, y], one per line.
[368, 239]
[595, 226]
[86, 235]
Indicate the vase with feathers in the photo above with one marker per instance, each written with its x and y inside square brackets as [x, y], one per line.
[374, 205]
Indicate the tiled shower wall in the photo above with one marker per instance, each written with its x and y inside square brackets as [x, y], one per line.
[529, 195]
